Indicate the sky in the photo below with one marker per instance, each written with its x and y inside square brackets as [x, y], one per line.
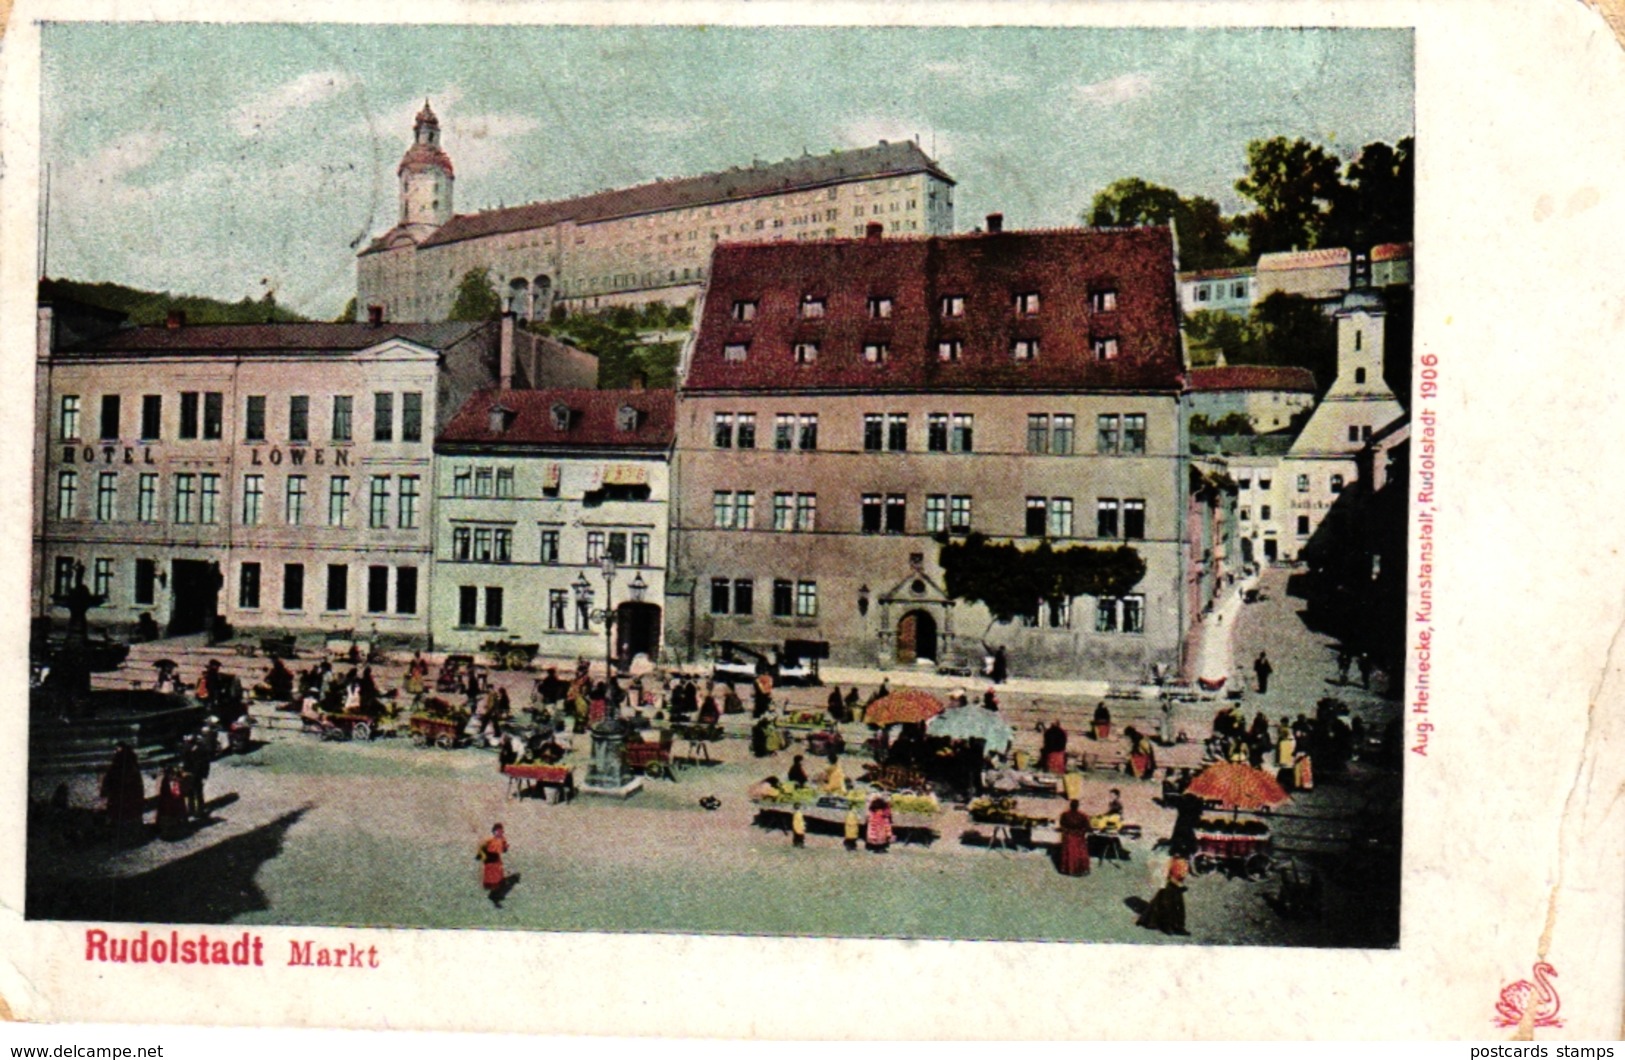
[232, 160]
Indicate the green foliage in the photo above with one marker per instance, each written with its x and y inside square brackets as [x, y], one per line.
[475, 298]
[1209, 332]
[619, 337]
[1204, 233]
[153, 307]
[1294, 185]
[348, 314]
[1283, 329]
[1230, 423]
[1011, 581]
[1378, 200]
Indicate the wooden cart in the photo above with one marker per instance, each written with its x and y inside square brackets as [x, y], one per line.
[445, 733]
[339, 726]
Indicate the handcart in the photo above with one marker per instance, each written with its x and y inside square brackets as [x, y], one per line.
[342, 726]
[653, 759]
[445, 733]
[1239, 853]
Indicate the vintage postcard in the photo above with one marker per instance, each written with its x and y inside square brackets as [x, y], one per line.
[752, 504]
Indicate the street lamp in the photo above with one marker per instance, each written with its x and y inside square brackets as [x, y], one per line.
[607, 770]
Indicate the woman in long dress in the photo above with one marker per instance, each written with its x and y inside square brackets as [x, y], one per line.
[492, 875]
[1074, 859]
[171, 804]
[1166, 913]
[879, 832]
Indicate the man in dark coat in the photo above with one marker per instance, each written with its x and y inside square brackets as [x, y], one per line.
[1263, 669]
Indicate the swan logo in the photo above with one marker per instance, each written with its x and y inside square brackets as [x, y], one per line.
[1537, 1001]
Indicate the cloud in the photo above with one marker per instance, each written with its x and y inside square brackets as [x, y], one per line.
[103, 175]
[940, 144]
[973, 77]
[1113, 91]
[262, 113]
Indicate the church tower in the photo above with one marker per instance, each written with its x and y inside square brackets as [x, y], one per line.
[426, 178]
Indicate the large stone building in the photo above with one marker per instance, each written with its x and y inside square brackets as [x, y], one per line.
[847, 404]
[646, 243]
[537, 488]
[1271, 397]
[278, 475]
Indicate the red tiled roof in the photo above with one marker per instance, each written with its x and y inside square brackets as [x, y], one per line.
[988, 270]
[727, 186]
[1303, 259]
[593, 419]
[304, 338]
[1238, 273]
[1252, 377]
[1390, 251]
[424, 156]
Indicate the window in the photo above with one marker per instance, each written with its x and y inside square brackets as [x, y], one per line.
[744, 596]
[807, 434]
[1303, 483]
[1024, 349]
[1061, 439]
[214, 408]
[720, 600]
[63, 583]
[735, 351]
[1134, 614]
[1202, 292]
[961, 437]
[1303, 526]
[208, 498]
[959, 514]
[1134, 433]
[482, 544]
[640, 550]
[936, 432]
[806, 512]
[558, 609]
[1060, 517]
[550, 546]
[1264, 482]
[293, 587]
[338, 587]
[784, 506]
[294, 500]
[1106, 436]
[493, 606]
[254, 419]
[951, 305]
[152, 416]
[744, 510]
[1244, 514]
[299, 418]
[1120, 614]
[146, 582]
[253, 498]
[1106, 510]
[1037, 516]
[876, 352]
[406, 590]
[1105, 348]
[733, 511]
[482, 482]
[746, 437]
[617, 546]
[377, 590]
[338, 501]
[106, 496]
[936, 513]
[185, 489]
[1337, 484]
[722, 436]
[1027, 304]
[872, 513]
[896, 513]
[783, 598]
[595, 546]
[874, 432]
[1359, 373]
[68, 420]
[146, 498]
[784, 429]
[1264, 511]
[411, 421]
[378, 503]
[897, 431]
[343, 412]
[1244, 482]
[879, 307]
[110, 417]
[1103, 300]
[383, 417]
[949, 350]
[248, 586]
[462, 538]
[806, 599]
[101, 578]
[462, 481]
[806, 352]
[1354, 433]
[189, 407]
[812, 307]
[744, 312]
[1134, 520]
[468, 605]
[1037, 433]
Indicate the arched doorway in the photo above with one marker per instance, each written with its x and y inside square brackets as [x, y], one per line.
[637, 630]
[916, 637]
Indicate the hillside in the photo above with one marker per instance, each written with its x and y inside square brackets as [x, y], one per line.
[153, 307]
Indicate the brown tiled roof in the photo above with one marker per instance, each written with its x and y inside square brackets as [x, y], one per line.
[1303, 259]
[1390, 251]
[248, 339]
[1252, 377]
[1237, 273]
[593, 419]
[987, 269]
[727, 186]
[423, 156]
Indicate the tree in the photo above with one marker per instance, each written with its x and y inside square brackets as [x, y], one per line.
[476, 297]
[1292, 330]
[1203, 231]
[1378, 200]
[1209, 333]
[1011, 581]
[1294, 184]
[347, 315]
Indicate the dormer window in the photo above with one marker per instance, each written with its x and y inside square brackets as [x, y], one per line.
[812, 308]
[1024, 349]
[876, 352]
[1105, 349]
[735, 351]
[948, 351]
[806, 352]
[952, 305]
[1027, 304]
[561, 416]
[498, 419]
[880, 308]
[626, 418]
[744, 312]
[1103, 300]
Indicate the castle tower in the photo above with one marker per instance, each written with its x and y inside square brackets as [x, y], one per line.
[426, 178]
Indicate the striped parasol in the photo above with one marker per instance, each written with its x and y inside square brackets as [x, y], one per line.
[1237, 786]
[906, 705]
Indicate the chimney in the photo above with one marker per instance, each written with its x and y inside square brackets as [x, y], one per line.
[872, 230]
[995, 223]
[505, 353]
[375, 315]
[176, 319]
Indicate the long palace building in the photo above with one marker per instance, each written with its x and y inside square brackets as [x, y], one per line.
[651, 242]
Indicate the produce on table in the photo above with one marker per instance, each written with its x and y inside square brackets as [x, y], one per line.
[1002, 810]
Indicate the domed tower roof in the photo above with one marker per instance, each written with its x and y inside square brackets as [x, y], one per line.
[425, 152]
[426, 116]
